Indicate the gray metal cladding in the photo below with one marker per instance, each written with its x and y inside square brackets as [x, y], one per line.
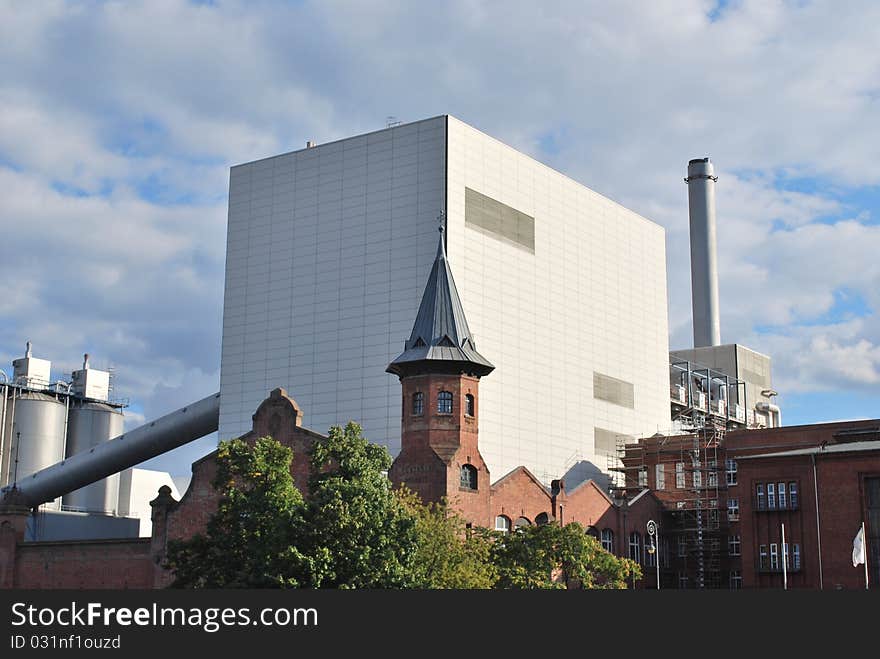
[486, 214]
[613, 390]
[604, 441]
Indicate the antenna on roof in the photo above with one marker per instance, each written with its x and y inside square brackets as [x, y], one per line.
[391, 121]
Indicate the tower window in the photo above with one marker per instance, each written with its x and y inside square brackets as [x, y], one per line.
[469, 477]
[418, 403]
[469, 405]
[444, 403]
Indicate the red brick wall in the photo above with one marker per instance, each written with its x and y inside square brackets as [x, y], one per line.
[519, 494]
[840, 478]
[278, 417]
[588, 505]
[115, 564]
[435, 446]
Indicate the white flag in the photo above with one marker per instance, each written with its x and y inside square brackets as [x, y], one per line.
[859, 547]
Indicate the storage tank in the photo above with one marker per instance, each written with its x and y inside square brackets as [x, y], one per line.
[90, 424]
[35, 433]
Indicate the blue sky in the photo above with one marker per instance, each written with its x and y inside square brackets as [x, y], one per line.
[119, 122]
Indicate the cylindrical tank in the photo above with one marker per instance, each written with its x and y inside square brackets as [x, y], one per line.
[88, 425]
[35, 433]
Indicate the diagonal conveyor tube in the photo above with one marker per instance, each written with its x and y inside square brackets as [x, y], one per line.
[144, 442]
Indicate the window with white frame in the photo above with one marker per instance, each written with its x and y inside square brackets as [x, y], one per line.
[736, 580]
[502, 523]
[659, 477]
[774, 556]
[731, 471]
[713, 473]
[734, 543]
[771, 496]
[444, 402]
[780, 493]
[635, 546]
[469, 405]
[732, 509]
[786, 555]
[608, 540]
[759, 492]
[793, 494]
[679, 475]
[762, 557]
[643, 478]
[795, 557]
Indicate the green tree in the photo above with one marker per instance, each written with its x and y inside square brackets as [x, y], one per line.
[553, 556]
[358, 534]
[448, 554]
[251, 540]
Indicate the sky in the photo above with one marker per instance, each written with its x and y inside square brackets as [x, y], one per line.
[119, 122]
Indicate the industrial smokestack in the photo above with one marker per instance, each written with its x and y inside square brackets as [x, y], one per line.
[704, 264]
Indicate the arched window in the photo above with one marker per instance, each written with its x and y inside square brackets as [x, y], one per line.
[469, 477]
[608, 540]
[521, 522]
[542, 519]
[418, 403]
[469, 405]
[444, 402]
[502, 523]
[635, 546]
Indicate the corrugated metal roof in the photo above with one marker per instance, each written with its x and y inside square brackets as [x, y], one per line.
[440, 334]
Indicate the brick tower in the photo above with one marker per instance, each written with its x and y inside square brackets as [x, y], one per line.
[440, 371]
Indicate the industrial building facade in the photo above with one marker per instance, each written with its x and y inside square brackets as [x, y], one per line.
[329, 248]
[762, 508]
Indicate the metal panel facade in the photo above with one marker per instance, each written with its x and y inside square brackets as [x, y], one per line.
[329, 249]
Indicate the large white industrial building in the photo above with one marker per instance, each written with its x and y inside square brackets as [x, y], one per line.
[328, 251]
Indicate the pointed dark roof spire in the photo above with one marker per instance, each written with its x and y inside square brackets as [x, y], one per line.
[440, 339]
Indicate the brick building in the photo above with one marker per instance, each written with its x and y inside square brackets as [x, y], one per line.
[726, 495]
[720, 498]
[440, 370]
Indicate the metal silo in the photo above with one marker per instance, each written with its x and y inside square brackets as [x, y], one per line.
[90, 424]
[35, 433]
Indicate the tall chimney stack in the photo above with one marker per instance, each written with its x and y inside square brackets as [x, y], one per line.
[704, 263]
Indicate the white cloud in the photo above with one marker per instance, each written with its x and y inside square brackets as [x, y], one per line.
[143, 106]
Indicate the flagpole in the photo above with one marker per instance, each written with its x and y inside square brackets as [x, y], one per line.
[865, 549]
[784, 557]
